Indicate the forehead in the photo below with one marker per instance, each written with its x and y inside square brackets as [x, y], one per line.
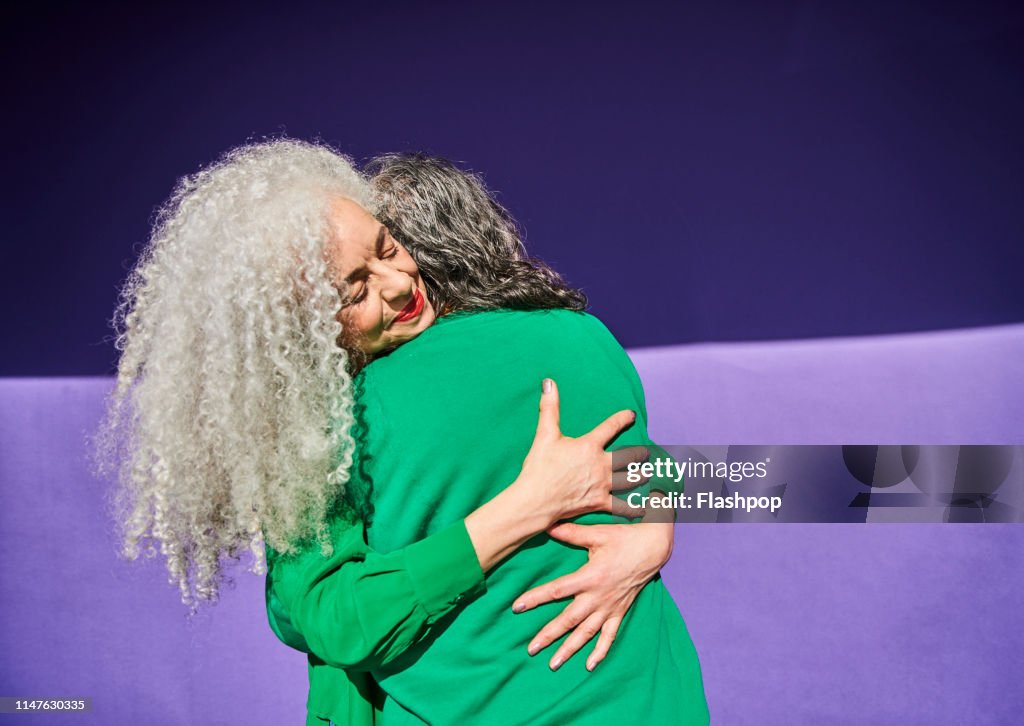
[353, 235]
[350, 222]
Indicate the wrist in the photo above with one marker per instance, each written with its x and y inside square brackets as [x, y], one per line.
[661, 539]
[533, 513]
[668, 538]
[503, 524]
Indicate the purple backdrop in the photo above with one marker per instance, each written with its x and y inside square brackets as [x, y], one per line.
[706, 171]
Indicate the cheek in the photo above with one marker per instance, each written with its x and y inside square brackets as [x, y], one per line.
[361, 328]
[407, 264]
[354, 321]
[350, 323]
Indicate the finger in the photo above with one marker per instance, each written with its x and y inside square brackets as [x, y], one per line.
[559, 588]
[547, 421]
[572, 616]
[576, 640]
[622, 458]
[608, 429]
[608, 632]
[623, 508]
[583, 535]
[628, 480]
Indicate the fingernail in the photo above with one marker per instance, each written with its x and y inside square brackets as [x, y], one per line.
[534, 647]
[518, 607]
[546, 385]
[634, 415]
[556, 662]
[590, 664]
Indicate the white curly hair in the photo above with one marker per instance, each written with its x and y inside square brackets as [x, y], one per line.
[229, 425]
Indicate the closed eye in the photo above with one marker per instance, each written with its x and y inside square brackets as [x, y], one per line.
[357, 298]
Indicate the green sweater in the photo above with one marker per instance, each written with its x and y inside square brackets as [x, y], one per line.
[444, 424]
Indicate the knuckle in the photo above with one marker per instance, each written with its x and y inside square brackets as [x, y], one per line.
[575, 615]
[561, 625]
[546, 635]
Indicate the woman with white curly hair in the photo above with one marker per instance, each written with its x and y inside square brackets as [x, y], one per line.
[235, 420]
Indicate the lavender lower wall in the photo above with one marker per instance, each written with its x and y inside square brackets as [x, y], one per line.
[850, 624]
[822, 624]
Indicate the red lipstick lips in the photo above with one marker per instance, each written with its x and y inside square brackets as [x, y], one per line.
[412, 308]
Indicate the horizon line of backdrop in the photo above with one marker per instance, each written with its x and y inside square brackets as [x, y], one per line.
[704, 171]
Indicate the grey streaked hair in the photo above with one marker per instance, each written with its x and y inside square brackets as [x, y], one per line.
[229, 425]
[467, 246]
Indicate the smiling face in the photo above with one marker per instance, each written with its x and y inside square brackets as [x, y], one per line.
[384, 300]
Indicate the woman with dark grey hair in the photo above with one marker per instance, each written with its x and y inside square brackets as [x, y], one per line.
[466, 245]
[236, 425]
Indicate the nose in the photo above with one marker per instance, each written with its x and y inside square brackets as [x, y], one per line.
[395, 285]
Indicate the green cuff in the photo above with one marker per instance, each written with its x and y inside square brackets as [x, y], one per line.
[444, 568]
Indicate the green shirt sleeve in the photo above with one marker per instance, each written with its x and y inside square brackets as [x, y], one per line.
[358, 609]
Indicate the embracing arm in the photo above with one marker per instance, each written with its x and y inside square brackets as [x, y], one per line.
[358, 609]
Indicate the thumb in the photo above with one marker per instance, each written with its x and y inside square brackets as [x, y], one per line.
[582, 535]
[547, 422]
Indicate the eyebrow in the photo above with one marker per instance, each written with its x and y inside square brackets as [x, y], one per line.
[378, 250]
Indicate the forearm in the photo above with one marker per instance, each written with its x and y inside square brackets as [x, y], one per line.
[499, 527]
